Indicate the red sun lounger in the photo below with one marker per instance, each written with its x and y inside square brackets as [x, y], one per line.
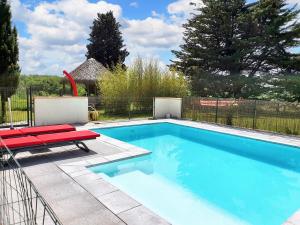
[36, 130]
[48, 140]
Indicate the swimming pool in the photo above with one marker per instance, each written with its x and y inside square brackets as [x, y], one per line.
[196, 176]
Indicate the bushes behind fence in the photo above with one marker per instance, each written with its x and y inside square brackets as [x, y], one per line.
[124, 89]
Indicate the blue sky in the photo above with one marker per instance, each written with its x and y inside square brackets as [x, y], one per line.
[53, 33]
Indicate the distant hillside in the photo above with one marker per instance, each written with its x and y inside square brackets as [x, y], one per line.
[45, 85]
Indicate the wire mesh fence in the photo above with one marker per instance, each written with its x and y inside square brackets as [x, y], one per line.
[20, 202]
[121, 108]
[20, 101]
[282, 117]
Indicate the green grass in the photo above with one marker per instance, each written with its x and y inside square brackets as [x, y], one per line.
[280, 124]
[17, 116]
[268, 123]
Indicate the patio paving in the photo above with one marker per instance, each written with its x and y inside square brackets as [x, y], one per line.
[76, 195]
[81, 197]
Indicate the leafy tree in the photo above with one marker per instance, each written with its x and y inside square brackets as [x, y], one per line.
[9, 55]
[46, 85]
[285, 88]
[228, 45]
[106, 43]
[215, 43]
[139, 84]
[277, 31]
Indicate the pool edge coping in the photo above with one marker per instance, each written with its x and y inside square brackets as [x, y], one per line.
[81, 174]
[294, 141]
[242, 132]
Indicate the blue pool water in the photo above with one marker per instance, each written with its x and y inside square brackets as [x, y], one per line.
[195, 176]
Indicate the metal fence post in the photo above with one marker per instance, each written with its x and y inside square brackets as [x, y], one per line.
[129, 109]
[254, 116]
[30, 104]
[153, 108]
[277, 115]
[217, 110]
[27, 106]
[193, 116]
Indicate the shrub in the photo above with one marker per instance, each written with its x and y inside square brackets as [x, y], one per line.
[121, 88]
[114, 90]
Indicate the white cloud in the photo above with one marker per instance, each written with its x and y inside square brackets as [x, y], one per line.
[57, 33]
[293, 2]
[182, 7]
[158, 15]
[134, 4]
[152, 33]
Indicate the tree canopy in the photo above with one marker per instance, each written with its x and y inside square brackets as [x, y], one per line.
[106, 43]
[229, 45]
[9, 51]
[9, 56]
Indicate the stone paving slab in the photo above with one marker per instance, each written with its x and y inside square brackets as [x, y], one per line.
[60, 191]
[99, 187]
[96, 218]
[79, 207]
[64, 169]
[118, 201]
[72, 203]
[142, 216]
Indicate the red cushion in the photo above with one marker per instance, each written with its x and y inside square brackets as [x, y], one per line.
[47, 129]
[68, 136]
[21, 142]
[10, 133]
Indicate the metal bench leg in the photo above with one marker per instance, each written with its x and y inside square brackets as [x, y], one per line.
[82, 146]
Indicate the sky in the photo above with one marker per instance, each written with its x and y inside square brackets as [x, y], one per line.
[53, 33]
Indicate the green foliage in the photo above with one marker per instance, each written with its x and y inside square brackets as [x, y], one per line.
[277, 30]
[139, 83]
[274, 116]
[230, 45]
[45, 85]
[114, 90]
[285, 88]
[214, 41]
[106, 43]
[9, 56]
[9, 51]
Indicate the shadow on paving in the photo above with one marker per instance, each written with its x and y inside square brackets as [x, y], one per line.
[50, 156]
[72, 204]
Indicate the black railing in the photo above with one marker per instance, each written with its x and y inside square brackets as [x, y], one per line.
[20, 202]
[282, 117]
[121, 108]
[20, 107]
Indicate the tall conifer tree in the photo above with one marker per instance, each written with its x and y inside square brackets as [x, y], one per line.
[9, 56]
[277, 32]
[215, 44]
[106, 43]
[229, 44]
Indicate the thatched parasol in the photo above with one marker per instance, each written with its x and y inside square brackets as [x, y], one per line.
[88, 73]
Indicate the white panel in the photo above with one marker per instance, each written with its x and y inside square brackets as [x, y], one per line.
[59, 110]
[164, 106]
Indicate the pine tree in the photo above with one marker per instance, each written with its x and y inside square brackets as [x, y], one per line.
[277, 32]
[215, 45]
[9, 56]
[229, 44]
[106, 43]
